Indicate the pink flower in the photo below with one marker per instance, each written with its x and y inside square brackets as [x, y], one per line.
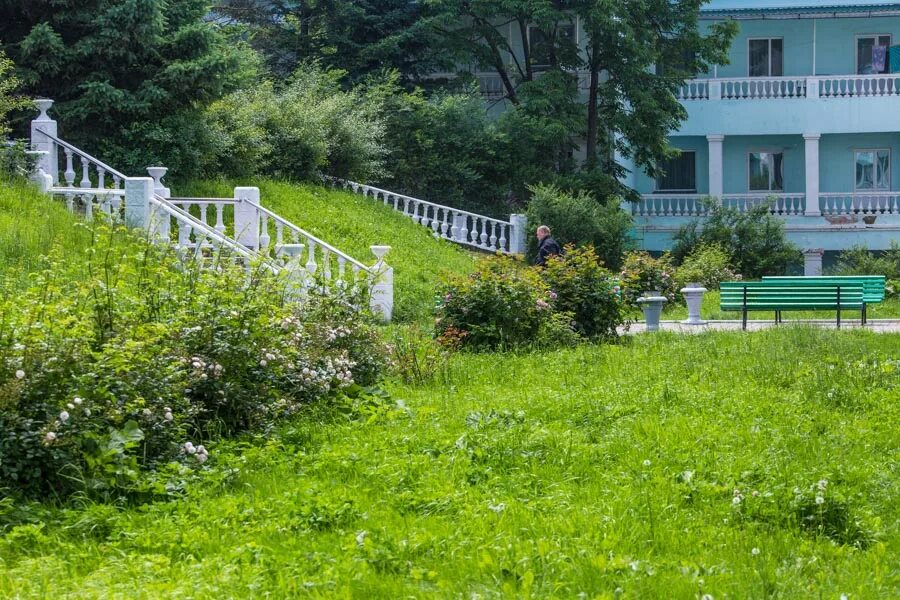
[553, 295]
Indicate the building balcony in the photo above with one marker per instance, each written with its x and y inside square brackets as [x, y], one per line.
[771, 88]
[829, 204]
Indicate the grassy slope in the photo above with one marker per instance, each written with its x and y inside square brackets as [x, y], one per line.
[30, 225]
[352, 223]
[547, 475]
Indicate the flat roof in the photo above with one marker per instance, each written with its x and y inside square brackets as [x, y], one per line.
[798, 9]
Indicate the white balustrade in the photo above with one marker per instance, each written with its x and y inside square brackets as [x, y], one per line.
[462, 227]
[779, 204]
[670, 205]
[763, 88]
[694, 89]
[211, 211]
[842, 86]
[865, 203]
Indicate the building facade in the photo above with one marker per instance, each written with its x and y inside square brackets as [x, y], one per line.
[806, 118]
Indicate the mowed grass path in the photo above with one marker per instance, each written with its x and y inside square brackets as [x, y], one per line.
[664, 467]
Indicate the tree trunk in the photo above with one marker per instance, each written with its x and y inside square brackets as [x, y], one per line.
[592, 119]
[526, 48]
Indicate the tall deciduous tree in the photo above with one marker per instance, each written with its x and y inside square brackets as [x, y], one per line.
[123, 74]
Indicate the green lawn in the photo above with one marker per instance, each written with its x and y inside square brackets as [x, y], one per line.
[352, 223]
[664, 467]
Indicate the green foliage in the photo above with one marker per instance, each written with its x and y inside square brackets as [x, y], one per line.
[9, 100]
[708, 266]
[641, 273]
[112, 368]
[115, 69]
[15, 161]
[580, 220]
[858, 260]
[754, 238]
[581, 287]
[502, 305]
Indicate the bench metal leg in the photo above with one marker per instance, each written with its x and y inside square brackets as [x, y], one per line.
[744, 319]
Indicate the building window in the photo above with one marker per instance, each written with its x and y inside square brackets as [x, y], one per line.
[766, 57]
[766, 171]
[679, 174]
[873, 169]
[871, 54]
[541, 48]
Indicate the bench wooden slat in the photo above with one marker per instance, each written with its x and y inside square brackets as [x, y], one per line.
[793, 294]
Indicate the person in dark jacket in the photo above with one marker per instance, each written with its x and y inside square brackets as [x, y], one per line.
[547, 246]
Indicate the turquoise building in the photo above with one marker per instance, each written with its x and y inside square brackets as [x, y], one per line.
[805, 117]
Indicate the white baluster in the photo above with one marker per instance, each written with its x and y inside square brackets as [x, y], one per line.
[101, 177]
[70, 170]
[85, 176]
[447, 225]
[342, 264]
[203, 206]
[463, 231]
[326, 263]
[493, 235]
[484, 236]
[184, 234]
[220, 218]
[279, 233]
[88, 201]
[264, 238]
[503, 237]
[116, 200]
[311, 258]
[70, 202]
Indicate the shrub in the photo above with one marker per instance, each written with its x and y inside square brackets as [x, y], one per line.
[755, 239]
[111, 372]
[707, 265]
[586, 290]
[858, 260]
[305, 128]
[642, 273]
[580, 219]
[502, 305]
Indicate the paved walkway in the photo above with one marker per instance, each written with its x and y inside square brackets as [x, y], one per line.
[876, 325]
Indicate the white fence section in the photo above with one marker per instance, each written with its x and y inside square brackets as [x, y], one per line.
[779, 204]
[695, 89]
[460, 226]
[763, 87]
[859, 85]
[670, 205]
[871, 203]
[203, 227]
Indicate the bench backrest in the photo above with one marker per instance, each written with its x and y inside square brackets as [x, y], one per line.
[873, 285]
[782, 295]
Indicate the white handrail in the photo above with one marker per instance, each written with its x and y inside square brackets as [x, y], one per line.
[83, 154]
[324, 245]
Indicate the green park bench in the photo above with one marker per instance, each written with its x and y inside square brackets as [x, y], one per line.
[780, 296]
[873, 285]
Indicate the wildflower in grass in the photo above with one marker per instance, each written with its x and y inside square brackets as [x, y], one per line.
[189, 448]
[361, 538]
[497, 508]
[823, 483]
[70, 406]
[820, 500]
[87, 412]
[263, 363]
[49, 437]
[168, 416]
[755, 552]
[706, 597]
[647, 462]
[20, 374]
[147, 412]
[63, 417]
[77, 401]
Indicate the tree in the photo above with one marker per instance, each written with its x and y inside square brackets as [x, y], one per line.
[360, 37]
[9, 100]
[126, 76]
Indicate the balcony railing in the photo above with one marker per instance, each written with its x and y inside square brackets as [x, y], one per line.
[865, 203]
[764, 88]
[697, 205]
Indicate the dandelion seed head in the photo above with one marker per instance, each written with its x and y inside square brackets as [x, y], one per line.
[20, 374]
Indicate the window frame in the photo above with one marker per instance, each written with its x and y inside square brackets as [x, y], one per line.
[693, 190]
[769, 61]
[862, 36]
[575, 35]
[767, 151]
[889, 151]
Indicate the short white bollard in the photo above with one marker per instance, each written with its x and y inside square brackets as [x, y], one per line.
[381, 300]
[652, 305]
[693, 294]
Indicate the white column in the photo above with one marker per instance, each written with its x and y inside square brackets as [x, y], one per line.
[246, 216]
[161, 223]
[812, 174]
[44, 124]
[138, 192]
[716, 166]
[518, 234]
[812, 261]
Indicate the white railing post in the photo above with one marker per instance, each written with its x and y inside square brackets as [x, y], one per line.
[160, 221]
[812, 261]
[246, 216]
[138, 193]
[518, 234]
[716, 175]
[381, 297]
[812, 87]
[715, 89]
[48, 162]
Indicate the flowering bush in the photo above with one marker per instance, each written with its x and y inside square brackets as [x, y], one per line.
[642, 273]
[500, 305]
[708, 266]
[581, 286]
[109, 374]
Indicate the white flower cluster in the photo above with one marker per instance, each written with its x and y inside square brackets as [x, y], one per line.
[63, 418]
[333, 334]
[198, 452]
[200, 369]
[331, 370]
